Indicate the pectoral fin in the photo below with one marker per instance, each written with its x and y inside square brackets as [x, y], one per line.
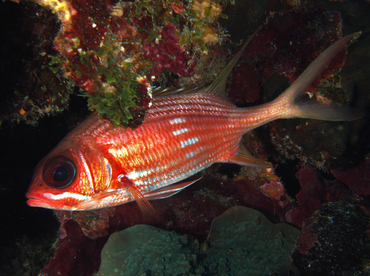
[122, 183]
[145, 207]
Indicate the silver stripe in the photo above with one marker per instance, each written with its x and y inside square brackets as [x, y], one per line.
[188, 142]
[177, 121]
[67, 195]
[180, 131]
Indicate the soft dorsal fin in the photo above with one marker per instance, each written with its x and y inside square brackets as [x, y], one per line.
[244, 158]
[219, 84]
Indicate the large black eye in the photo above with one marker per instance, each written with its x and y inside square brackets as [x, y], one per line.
[59, 172]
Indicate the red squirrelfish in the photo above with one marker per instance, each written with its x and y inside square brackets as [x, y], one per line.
[98, 165]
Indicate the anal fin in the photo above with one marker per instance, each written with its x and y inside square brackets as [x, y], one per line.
[244, 158]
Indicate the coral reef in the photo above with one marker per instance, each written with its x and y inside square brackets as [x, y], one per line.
[189, 212]
[241, 241]
[113, 50]
[315, 191]
[288, 34]
[143, 249]
[29, 89]
[116, 50]
[334, 242]
[351, 185]
[75, 246]
[357, 178]
[292, 44]
[186, 212]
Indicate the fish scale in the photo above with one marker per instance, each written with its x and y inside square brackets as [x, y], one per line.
[98, 165]
[194, 132]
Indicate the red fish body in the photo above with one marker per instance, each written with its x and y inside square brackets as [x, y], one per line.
[98, 165]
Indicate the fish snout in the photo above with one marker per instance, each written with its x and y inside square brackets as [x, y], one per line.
[39, 200]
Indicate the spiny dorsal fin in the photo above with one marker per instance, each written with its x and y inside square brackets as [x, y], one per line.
[165, 91]
[217, 87]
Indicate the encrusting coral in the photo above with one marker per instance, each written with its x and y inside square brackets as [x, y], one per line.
[241, 240]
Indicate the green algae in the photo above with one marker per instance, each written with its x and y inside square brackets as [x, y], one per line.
[114, 71]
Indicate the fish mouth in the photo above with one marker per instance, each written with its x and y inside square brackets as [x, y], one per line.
[44, 202]
[39, 202]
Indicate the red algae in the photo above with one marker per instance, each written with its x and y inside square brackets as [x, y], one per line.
[334, 241]
[310, 198]
[163, 52]
[356, 178]
[76, 253]
[286, 45]
[306, 240]
[115, 51]
[90, 22]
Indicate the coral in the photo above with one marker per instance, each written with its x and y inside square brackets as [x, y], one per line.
[280, 52]
[143, 249]
[114, 51]
[245, 240]
[186, 212]
[285, 45]
[356, 178]
[241, 240]
[30, 90]
[113, 54]
[29, 255]
[75, 246]
[334, 241]
[315, 191]
[94, 224]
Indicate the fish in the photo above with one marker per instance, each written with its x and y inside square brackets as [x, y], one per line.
[98, 165]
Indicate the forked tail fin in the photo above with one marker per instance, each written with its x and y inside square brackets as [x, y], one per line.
[301, 107]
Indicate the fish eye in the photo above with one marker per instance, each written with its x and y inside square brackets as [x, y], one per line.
[59, 172]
